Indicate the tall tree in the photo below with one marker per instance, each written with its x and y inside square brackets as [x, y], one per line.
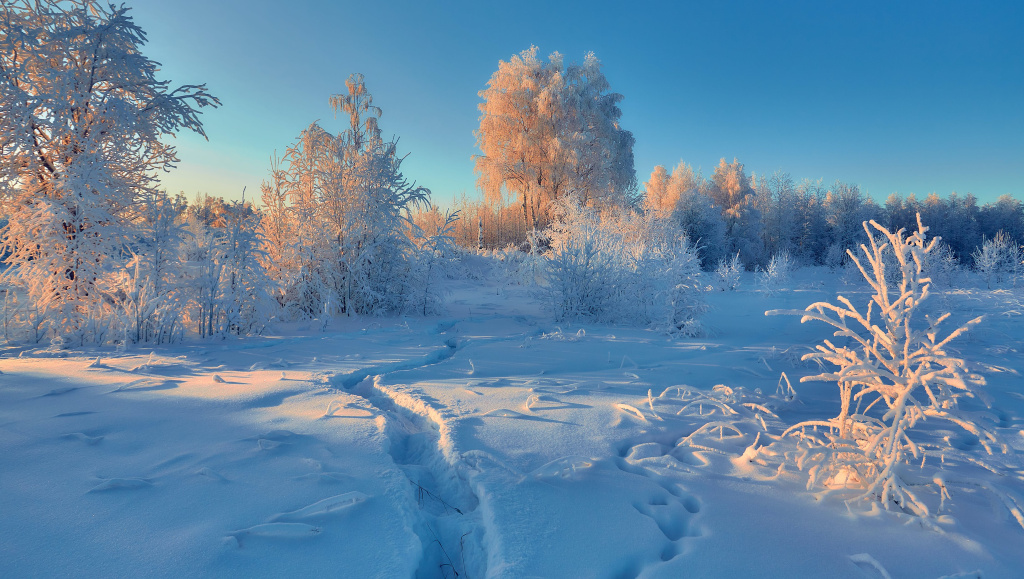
[344, 199]
[548, 130]
[731, 192]
[82, 118]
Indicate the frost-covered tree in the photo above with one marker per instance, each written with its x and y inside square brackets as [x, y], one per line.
[201, 277]
[731, 192]
[655, 194]
[845, 209]
[702, 224]
[247, 292]
[338, 208]
[1006, 214]
[150, 294]
[776, 199]
[682, 196]
[277, 229]
[82, 118]
[811, 235]
[548, 130]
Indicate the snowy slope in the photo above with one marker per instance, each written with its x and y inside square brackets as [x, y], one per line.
[489, 442]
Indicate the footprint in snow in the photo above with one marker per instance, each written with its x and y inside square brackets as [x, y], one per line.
[116, 484]
[59, 391]
[274, 531]
[671, 516]
[342, 409]
[567, 468]
[211, 474]
[869, 566]
[90, 440]
[322, 508]
[276, 439]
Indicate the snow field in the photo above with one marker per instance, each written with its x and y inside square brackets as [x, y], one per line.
[491, 442]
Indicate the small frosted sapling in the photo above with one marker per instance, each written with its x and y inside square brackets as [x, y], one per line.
[894, 373]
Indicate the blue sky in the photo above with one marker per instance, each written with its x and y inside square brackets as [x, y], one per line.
[907, 97]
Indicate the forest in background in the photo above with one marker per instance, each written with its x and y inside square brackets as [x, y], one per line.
[97, 253]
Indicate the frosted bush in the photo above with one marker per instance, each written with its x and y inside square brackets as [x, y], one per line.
[728, 273]
[515, 266]
[435, 259]
[623, 267]
[943, 267]
[998, 260]
[777, 273]
[893, 372]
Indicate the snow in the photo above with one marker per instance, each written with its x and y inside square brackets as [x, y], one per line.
[491, 442]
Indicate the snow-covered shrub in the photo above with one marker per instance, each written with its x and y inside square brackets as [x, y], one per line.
[515, 266]
[777, 273]
[943, 267]
[584, 270]
[835, 256]
[623, 267]
[998, 260]
[686, 303]
[893, 372]
[728, 273]
[434, 260]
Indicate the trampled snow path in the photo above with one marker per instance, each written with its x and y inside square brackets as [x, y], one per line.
[449, 528]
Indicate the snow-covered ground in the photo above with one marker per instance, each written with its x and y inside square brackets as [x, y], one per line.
[490, 442]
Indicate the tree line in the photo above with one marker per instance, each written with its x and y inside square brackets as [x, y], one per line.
[97, 252]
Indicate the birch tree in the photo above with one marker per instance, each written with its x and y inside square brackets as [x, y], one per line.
[82, 119]
[548, 130]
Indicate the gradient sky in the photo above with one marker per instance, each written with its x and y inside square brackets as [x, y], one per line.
[907, 97]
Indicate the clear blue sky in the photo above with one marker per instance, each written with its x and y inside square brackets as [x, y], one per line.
[907, 97]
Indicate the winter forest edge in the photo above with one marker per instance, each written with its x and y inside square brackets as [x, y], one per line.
[100, 261]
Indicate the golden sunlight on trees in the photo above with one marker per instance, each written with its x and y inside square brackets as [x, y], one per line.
[82, 117]
[335, 217]
[548, 130]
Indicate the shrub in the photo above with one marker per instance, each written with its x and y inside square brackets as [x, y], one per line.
[776, 274]
[895, 373]
[998, 260]
[728, 273]
[623, 267]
